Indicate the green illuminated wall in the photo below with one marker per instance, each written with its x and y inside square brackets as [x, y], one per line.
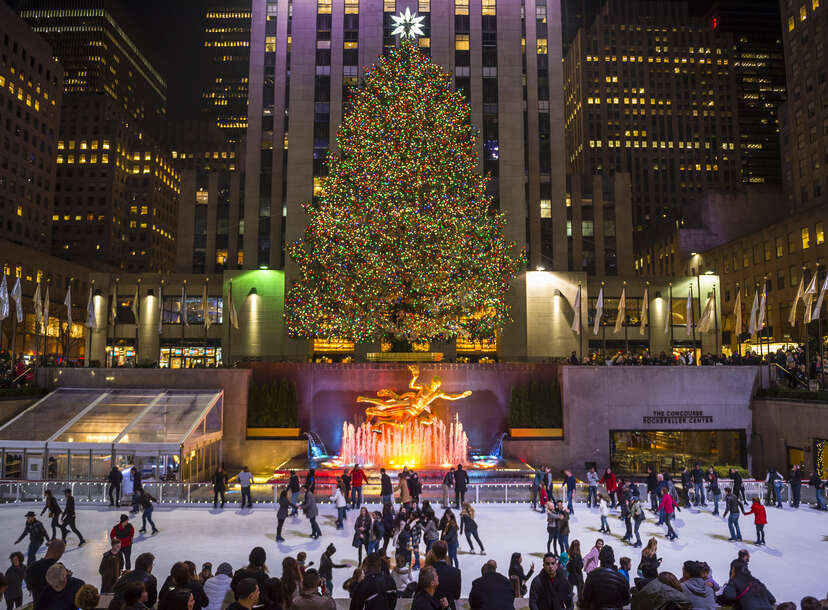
[258, 296]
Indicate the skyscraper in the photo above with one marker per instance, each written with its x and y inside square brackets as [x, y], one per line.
[31, 87]
[116, 190]
[224, 65]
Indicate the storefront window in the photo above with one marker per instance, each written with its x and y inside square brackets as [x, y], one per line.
[189, 357]
[172, 310]
[632, 452]
[120, 355]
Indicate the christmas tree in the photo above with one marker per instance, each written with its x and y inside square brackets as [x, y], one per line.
[403, 242]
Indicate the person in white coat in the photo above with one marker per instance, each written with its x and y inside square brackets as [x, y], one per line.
[341, 506]
[602, 503]
[217, 588]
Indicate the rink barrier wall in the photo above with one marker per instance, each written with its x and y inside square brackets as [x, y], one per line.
[195, 494]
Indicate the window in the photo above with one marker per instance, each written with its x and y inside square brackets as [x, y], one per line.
[819, 234]
[803, 13]
[780, 280]
[780, 248]
[792, 274]
[791, 243]
[791, 23]
[768, 253]
[587, 228]
[806, 238]
[546, 208]
[745, 260]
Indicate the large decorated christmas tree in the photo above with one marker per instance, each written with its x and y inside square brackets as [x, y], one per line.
[403, 243]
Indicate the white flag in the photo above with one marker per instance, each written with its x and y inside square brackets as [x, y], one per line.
[737, 314]
[91, 321]
[760, 321]
[799, 292]
[810, 292]
[754, 313]
[818, 306]
[136, 306]
[113, 310]
[183, 308]
[17, 296]
[4, 299]
[599, 311]
[46, 309]
[234, 316]
[68, 302]
[622, 310]
[205, 308]
[38, 306]
[708, 315]
[668, 313]
[645, 309]
[688, 314]
[160, 307]
[576, 318]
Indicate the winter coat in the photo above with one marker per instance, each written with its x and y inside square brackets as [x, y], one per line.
[423, 601]
[150, 584]
[592, 479]
[575, 570]
[549, 594]
[405, 495]
[450, 535]
[124, 534]
[492, 591]
[605, 588]
[467, 523]
[415, 488]
[69, 509]
[309, 506]
[760, 516]
[284, 505]
[326, 566]
[362, 530]
[35, 531]
[450, 583]
[50, 599]
[652, 482]
[744, 592]
[713, 486]
[570, 483]
[15, 576]
[430, 533]
[816, 482]
[115, 477]
[374, 591]
[698, 476]
[220, 481]
[448, 480]
[386, 487]
[668, 505]
[656, 595]
[357, 477]
[52, 506]
[110, 570]
[339, 499]
[461, 480]
[637, 512]
[604, 507]
[591, 560]
[702, 597]
[293, 484]
[609, 482]
[313, 600]
[218, 591]
[563, 526]
[733, 505]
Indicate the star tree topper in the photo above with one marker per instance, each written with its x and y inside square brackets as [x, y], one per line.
[407, 25]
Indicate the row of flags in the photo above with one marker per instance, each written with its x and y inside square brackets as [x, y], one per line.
[41, 307]
[707, 318]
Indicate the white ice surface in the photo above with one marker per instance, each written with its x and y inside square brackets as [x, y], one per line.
[792, 565]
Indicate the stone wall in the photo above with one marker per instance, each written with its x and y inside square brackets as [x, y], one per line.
[780, 424]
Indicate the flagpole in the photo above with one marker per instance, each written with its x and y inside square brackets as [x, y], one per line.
[698, 283]
[624, 322]
[670, 317]
[693, 322]
[226, 358]
[183, 310]
[137, 307]
[819, 330]
[161, 325]
[649, 342]
[43, 324]
[87, 348]
[206, 314]
[738, 340]
[603, 332]
[13, 318]
[114, 326]
[68, 327]
[716, 320]
[805, 334]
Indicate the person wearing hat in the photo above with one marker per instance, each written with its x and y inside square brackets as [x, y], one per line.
[247, 593]
[124, 532]
[60, 591]
[217, 588]
[37, 534]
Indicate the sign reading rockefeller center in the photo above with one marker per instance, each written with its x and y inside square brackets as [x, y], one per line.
[678, 417]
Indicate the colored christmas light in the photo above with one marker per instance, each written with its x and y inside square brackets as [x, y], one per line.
[403, 240]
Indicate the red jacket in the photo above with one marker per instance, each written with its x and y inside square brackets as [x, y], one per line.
[609, 482]
[124, 534]
[760, 516]
[357, 477]
[667, 504]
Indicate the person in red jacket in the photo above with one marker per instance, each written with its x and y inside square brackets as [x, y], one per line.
[124, 532]
[668, 505]
[608, 481]
[760, 519]
[357, 479]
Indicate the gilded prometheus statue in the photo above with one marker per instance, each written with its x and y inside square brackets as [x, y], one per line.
[392, 409]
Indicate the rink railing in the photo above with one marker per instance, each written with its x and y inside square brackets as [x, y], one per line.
[170, 493]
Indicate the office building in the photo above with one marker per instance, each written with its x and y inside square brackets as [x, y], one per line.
[649, 90]
[225, 64]
[31, 87]
[116, 191]
[804, 122]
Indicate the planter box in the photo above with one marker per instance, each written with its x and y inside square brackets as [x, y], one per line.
[404, 356]
[272, 432]
[518, 433]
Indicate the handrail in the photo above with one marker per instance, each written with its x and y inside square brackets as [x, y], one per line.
[23, 374]
[790, 374]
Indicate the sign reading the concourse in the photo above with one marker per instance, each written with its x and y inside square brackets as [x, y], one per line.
[678, 417]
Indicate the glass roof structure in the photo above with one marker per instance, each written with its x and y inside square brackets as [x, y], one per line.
[118, 420]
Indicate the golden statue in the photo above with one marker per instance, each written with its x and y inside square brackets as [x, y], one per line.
[392, 409]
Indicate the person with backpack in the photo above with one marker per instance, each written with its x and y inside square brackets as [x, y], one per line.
[377, 591]
[638, 517]
[743, 590]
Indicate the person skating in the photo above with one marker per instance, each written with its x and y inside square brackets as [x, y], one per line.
[451, 537]
[220, 481]
[386, 488]
[626, 515]
[54, 511]
[738, 484]
[602, 504]
[819, 486]
[537, 483]
[592, 482]
[563, 528]
[669, 506]
[448, 486]
[610, 483]
[553, 518]
[146, 500]
[341, 504]
[697, 475]
[415, 488]
[37, 534]
[685, 485]
[715, 490]
[652, 488]
[294, 488]
[110, 567]
[15, 578]
[124, 532]
[570, 484]
[405, 493]
[115, 479]
[469, 525]
[137, 488]
[327, 565]
[311, 512]
[357, 479]
[282, 513]
[69, 516]
[774, 481]
[363, 527]
[246, 481]
[760, 519]
[733, 507]
[796, 485]
[638, 516]
[461, 484]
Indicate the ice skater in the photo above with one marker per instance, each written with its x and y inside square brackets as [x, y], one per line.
[602, 503]
[733, 507]
[37, 534]
[54, 510]
[609, 481]
[638, 517]
[69, 518]
[115, 479]
[461, 484]
[311, 512]
[294, 488]
[146, 500]
[469, 526]
[552, 519]
[592, 482]
[760, 519]
[697, 475]
[774, 481]
[341, 503]
[219, 486]
[669, 506]
[816, 482]
[715, 490]
[245, 481]
[570, 483]
[363, 527]
[282, 512]
[326, 566]
[796, 485]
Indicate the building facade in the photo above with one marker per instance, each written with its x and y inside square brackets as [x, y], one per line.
[649, 90]
[31, 91]
[116, 189]
[804, 122]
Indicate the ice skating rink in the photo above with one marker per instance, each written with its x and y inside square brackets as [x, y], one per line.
[792, 565]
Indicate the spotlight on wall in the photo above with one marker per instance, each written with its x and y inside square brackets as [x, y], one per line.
[557, 293]
[252, 291]
[97, 292]
[151, 292]
[658, 294]
[540, 268]
[263, 267]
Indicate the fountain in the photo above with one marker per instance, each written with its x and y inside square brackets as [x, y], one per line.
[402, 430]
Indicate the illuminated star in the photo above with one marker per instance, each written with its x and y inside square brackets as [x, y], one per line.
[407, 25]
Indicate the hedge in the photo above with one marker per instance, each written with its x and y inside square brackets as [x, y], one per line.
[536, 405]
[272, 405]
